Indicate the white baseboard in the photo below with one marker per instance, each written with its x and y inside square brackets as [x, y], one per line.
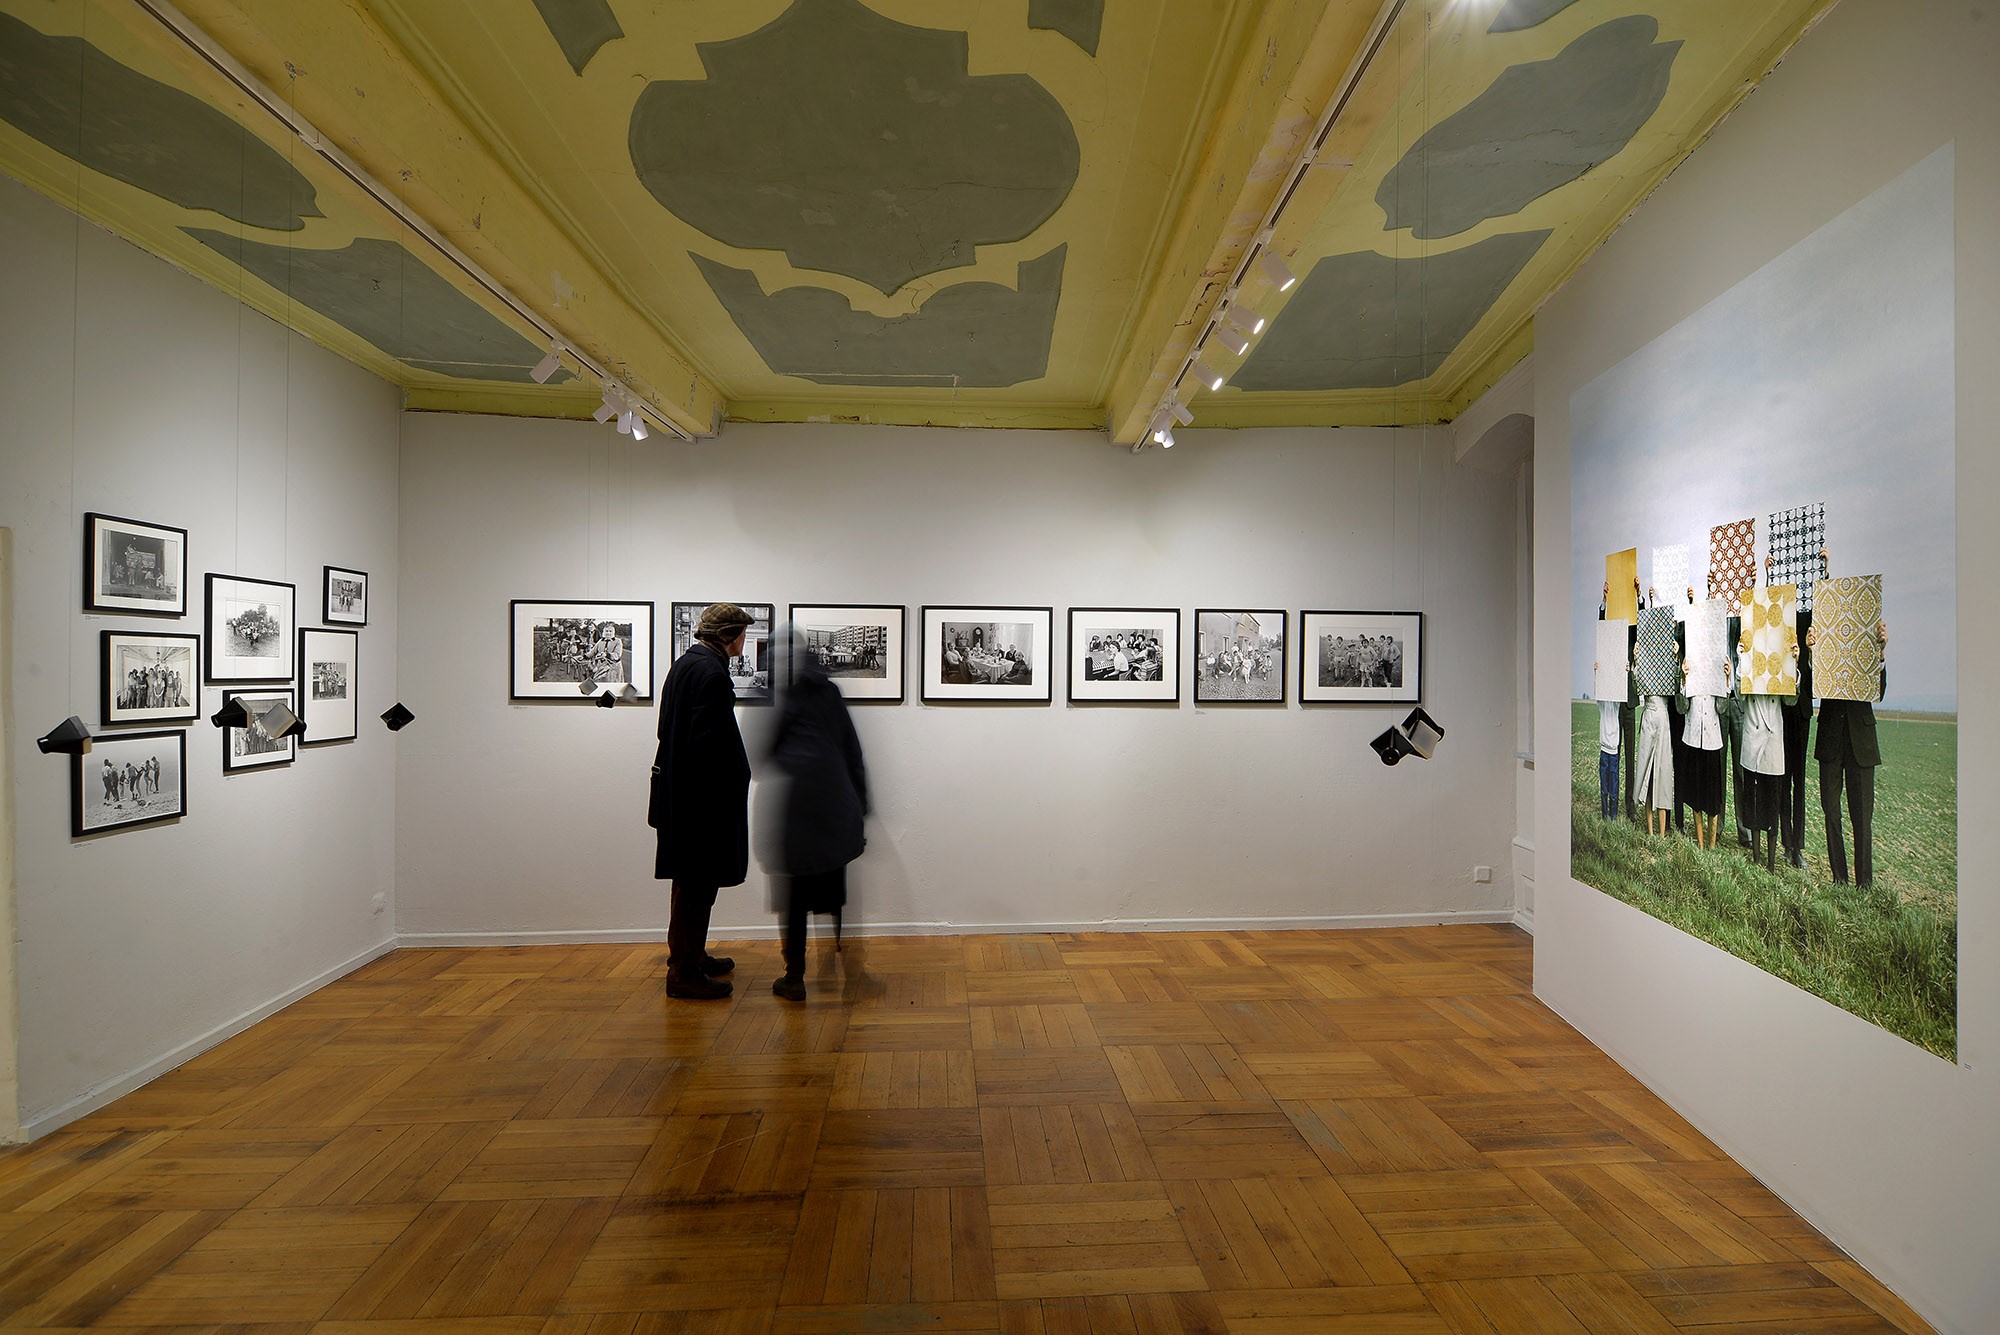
[118, 1087]
[768, 930]
[1524, 918]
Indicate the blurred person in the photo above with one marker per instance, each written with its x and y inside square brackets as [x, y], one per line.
[811, 812]
[700, 799]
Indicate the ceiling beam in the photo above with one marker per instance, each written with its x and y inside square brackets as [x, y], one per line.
[1300, 56]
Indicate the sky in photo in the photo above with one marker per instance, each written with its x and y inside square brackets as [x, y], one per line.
[1827, 375]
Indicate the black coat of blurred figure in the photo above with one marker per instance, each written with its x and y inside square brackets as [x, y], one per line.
[812, 811]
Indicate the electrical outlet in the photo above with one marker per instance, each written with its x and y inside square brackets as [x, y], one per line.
[1483, 875]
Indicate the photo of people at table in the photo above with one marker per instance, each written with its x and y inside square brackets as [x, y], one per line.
[1121, 654]
[988, 653]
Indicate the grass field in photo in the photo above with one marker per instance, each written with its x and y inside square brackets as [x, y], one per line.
[1888, 955]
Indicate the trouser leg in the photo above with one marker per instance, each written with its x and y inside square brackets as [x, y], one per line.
[793, 932]
[1627, 727]
[1792, 795]
[1861, 806]
[687, 928]
[1829, 810]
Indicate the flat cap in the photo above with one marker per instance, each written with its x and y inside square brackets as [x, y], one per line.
[723, 619]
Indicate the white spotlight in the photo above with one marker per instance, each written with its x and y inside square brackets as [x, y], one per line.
[625, 423]
[546, 367]
[1276, 270]
[1234, 341]
[1166, 438]
[1180, 411]
[609, 408]
[1162, 430]
[1208, 375]
[639, 431]
[1246, 319]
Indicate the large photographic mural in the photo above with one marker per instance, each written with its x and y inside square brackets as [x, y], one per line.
[1786, 789]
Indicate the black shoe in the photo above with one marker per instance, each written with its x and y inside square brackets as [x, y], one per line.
[696, 989]
[717, 965]
[789, 986]
[1795, 857]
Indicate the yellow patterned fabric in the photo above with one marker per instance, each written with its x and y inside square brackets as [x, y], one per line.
[1847, 646]
[1769, 646]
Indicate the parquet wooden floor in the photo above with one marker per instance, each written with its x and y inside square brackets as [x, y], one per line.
[1253, 1133]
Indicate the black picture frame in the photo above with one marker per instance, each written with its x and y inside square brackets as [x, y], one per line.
[1321, 683]
[161, 544]
[754, 687]
[1088, 687]
[1219, 678]
[937, 680]
[119, 651]
[894, 651]
[534, 670]
[241, 752]
[119, 750]
[235, 592]
[329, 722]
[333, 614]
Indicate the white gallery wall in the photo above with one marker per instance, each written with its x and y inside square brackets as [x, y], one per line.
[1893, 1152]
[527, 821]
[132, 389]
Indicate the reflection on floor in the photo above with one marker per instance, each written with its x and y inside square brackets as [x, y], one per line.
[1192, 1132]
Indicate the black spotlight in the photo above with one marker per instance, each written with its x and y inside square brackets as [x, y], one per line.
[1418, 735]
[397, 717]
[280, 721]
[607, 700]
[234, 714]
[68, 738]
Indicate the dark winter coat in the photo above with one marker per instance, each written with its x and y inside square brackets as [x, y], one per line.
[701, 777]
[822, 797]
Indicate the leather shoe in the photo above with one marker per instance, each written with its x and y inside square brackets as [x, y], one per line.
[717, 965]
[789, 986]
[696, 989]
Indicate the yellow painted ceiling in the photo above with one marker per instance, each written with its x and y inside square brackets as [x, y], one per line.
[965, 212]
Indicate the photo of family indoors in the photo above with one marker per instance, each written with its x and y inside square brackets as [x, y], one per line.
[848, 651]
[1123, 655]
[329, 681]
[1239, 656]
[581, 649]
[988, 653]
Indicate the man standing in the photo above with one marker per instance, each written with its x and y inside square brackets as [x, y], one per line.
[1849, 753]
[700, 799]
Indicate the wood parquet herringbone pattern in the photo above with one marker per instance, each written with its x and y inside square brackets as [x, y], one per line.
[1191, 1133]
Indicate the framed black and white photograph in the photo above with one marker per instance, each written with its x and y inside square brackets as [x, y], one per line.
[859, 644]
[1239, 657]
[149, 677]
[134, 778]
[579, 649]
[1124, 654]
[250, 625]
[750, 670]
[987, 653]
[344, 597]
[129, 566]
[1361, 657]
[254, 747]
[328, 660]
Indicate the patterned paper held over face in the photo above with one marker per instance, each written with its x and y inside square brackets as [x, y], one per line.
[1847, 645]
[1670, 578]
[1659, 661]
[1621, 585]
[1732, 562]
[1707, 648]
[1612, 680]
[1796, 538]
[1769, 648]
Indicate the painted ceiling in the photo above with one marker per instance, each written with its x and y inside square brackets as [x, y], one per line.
[964, 212]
